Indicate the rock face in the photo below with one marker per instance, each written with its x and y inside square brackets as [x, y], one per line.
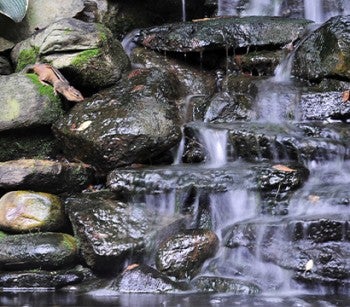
[23, 211]
[331, 60]
[133, 122]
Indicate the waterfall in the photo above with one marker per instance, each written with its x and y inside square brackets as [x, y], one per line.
[227, 7]
[215, 142]
[183, 10]
[313, 10]
[263, 7]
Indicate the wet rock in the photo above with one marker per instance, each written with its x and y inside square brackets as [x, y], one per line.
[24, 211]
[133, 122]
[224, 285]
[86, 52]
[281, 177]
[208, 34]
[164, 180]
[322, 106]
[111, 232]
[43, 279]
[44, 175]
[183, 255]
[47, 251]
[294, 142]
[291, 243]
[229, 108]
[145, 279]
[259, 63]
[31, 106]
[314, 59]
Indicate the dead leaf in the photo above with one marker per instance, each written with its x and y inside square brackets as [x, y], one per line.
[313, 198]
[131, 266]
[84, 126]
[346, 96]
[283, 168]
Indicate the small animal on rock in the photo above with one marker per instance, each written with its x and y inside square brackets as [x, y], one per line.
[50, 75]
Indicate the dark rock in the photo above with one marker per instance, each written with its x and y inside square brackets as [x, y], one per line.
[183, 255]
[144, 279]
[208, 34]
[223, 285]
[47, 251]
[314, 59]
[44, 175]
[43, 279]
[111, 232]
[5, 66]
[133, 122]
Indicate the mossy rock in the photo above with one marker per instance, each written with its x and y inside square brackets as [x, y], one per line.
[24, 211]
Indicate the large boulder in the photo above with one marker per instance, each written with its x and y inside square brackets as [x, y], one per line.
[314, 59]
[133, 122]
[34, 105]
[221, 33]
[25, 211]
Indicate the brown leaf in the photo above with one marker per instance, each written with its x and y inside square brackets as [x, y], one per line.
[346, 96]
[283, 168]
[313, 198]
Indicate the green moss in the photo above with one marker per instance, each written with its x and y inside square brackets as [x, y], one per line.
[27, 57]
[2, 235]
[83, 57]
[102, 33]
[44, 90]
[11, 111]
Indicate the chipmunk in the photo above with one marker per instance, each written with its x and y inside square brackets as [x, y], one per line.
[50, 75]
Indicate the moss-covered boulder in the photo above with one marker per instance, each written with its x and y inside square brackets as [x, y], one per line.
[44, 175]
[325, 52]
[24, 211]
[32, 106]
[47, 251]
[87, 53]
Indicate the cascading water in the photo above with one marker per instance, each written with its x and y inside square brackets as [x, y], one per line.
[314, 10]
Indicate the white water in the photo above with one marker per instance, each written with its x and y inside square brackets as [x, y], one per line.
[215, 143]
[227, 7]
[183, 10]
[313, 10]
[263, 7]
